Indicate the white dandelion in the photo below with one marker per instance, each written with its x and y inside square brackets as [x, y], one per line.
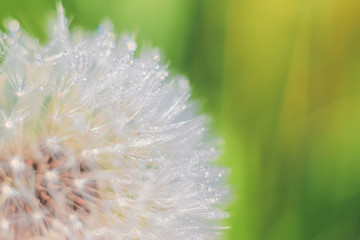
[98, 144]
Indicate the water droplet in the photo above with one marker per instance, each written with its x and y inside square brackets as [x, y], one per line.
[13, 26]
[84, 153]
[38, 57]
[121, 202]
[6, 191]
[131, 45]
[156, 58]
[155, 66]
[164, 75]
[15, 163]
[77, 225]
[4, 224]
[50, 175]
[37, 215]
[79, 183]
[9, 124]
[135, 62]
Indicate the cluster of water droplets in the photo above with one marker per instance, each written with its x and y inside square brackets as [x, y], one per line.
[98, 144]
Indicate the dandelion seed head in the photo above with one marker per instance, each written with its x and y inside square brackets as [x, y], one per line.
[98, 144]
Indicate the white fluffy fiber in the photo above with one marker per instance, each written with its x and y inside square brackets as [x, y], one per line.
[84, 100]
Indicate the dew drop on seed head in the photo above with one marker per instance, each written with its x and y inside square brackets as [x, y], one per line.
[38, 57]
[20, 93]
[4, 224]
[13, 26]
[15, 162]
[156, 58]
[131, 45]
[9, 124]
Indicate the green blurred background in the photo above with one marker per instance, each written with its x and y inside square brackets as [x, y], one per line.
[281, 79]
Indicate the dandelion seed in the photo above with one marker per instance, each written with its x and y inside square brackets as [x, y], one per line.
[106, 149]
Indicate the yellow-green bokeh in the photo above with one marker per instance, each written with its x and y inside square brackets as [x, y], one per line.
[291, 96]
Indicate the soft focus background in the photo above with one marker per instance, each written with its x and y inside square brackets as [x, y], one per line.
[281, 79]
